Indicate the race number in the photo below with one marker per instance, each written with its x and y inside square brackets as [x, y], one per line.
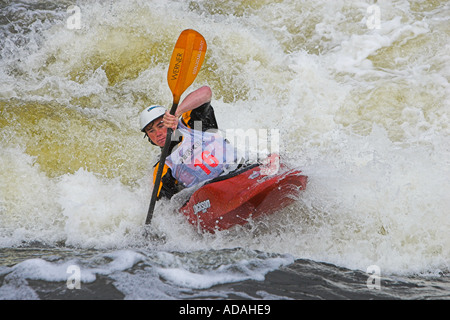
[207, 159]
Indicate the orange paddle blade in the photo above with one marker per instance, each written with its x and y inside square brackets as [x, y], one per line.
[186, 61]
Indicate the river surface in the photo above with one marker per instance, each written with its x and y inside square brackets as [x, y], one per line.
[357, 92]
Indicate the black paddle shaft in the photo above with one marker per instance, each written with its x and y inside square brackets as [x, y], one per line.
[162, 162]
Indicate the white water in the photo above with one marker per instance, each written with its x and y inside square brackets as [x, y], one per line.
[363, 112]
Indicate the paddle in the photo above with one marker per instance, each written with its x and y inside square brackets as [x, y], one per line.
[186, 61]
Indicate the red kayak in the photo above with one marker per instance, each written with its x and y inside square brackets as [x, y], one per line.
[248, 193]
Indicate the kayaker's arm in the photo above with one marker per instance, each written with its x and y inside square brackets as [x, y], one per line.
[169, 185]
[196, 107]
[193, 100]
[203, 115]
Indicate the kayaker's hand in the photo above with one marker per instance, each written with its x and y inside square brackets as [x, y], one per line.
[170, 121]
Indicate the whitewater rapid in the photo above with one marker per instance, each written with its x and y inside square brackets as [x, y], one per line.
[361, 105]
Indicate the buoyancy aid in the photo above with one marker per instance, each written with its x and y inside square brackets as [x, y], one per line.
[201, 155]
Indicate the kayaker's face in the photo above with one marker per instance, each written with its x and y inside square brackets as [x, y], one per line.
[157, 132]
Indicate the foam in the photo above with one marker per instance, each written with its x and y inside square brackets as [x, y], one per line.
[364, 113]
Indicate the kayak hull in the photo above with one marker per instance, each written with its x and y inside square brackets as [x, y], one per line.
[226, 202]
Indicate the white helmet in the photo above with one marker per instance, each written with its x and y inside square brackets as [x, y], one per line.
[149, 114]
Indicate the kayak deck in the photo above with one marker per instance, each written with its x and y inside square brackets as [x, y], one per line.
[232, 200]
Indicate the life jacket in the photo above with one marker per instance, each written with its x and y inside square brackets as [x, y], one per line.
[201, 155]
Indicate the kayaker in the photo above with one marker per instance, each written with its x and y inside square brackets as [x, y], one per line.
[197, 152]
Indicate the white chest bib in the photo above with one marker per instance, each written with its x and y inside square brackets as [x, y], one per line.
[200, 156]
